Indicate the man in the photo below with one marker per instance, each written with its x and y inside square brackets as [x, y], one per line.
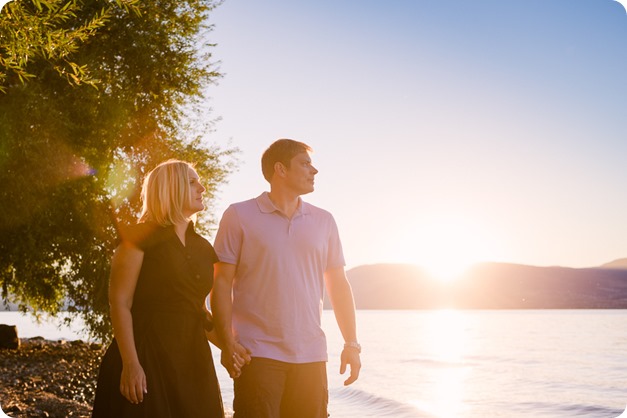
[276, 254]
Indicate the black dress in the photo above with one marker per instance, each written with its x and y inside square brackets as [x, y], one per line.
[168, 325]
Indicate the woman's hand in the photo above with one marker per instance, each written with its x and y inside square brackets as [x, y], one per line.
[133, 383]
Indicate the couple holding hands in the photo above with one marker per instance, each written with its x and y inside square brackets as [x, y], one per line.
[274, 256]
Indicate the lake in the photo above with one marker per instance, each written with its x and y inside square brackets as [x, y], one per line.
[466, 364]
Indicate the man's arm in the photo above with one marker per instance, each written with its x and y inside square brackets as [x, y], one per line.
[222, 308]
[341, 297]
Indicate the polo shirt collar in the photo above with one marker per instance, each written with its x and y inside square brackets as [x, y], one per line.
[266, 206]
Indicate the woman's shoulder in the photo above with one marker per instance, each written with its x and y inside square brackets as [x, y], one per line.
[143, 235]
[202, 245]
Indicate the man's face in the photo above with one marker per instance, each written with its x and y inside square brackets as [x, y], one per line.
[300, 174]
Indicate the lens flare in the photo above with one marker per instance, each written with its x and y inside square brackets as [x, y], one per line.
[121, 182]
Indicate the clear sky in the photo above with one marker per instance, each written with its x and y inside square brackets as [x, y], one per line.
[445, 132]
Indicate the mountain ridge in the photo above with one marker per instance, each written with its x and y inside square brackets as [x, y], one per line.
[491, 285]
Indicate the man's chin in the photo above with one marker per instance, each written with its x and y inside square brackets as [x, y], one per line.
[306, 190]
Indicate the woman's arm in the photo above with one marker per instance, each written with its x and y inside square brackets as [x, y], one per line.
[125, 267]
[241, 356]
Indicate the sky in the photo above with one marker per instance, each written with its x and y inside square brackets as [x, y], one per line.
[445, 132]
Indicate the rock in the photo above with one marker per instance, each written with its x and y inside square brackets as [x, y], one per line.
[8, 337]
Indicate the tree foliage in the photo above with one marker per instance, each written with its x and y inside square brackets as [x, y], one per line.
[100, 93]
[48, 31]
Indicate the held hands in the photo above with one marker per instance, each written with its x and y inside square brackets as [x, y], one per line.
[350, 356]
[234, 361]
[133, 383]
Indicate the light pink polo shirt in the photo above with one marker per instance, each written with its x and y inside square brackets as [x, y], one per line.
[279, 284]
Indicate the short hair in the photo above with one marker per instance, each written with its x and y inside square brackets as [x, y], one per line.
[281, 151]
[165, 191]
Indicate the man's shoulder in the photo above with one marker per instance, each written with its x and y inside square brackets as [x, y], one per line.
[242, 209]
[316, 210]
[243, 204]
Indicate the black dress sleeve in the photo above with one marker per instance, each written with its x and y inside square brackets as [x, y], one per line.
[142, 235]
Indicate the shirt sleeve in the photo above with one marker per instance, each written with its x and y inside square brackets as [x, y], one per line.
[212, 254]
[228, 243]
[335, 256]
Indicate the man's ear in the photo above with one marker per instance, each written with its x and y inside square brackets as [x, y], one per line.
[280, 169]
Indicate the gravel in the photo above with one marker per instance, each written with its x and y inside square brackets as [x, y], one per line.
[54, 379]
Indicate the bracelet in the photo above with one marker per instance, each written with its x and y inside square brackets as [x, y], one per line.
[353, 344]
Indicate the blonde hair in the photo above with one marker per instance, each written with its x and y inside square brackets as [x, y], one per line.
[165, 191]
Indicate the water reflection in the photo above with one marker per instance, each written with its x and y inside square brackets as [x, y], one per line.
[445, 341]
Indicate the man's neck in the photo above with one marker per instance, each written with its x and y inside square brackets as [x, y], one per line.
[286, 203]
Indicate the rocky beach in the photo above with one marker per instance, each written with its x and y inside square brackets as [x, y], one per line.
[52, 379]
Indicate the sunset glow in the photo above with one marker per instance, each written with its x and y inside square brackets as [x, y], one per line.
[446, 246]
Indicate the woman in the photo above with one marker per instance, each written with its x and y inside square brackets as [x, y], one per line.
[159, 364]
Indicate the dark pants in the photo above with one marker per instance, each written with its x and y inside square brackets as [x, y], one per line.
[274, 389]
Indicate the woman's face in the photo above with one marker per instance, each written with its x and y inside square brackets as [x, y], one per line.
[196, 190]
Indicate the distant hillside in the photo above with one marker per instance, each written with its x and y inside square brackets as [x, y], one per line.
[490, 286]
[487, 286]
[621, 263]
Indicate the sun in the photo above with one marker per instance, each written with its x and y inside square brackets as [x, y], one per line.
[447, 246]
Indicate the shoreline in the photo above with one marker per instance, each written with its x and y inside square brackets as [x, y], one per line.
[49, 379]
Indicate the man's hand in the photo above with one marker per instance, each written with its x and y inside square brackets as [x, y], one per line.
[234, 360]
[241, 356]
[350, 356]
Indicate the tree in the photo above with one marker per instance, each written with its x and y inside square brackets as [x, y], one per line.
[72, 154]
[39, 30]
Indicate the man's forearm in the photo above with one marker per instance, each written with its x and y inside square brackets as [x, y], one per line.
[222, 308]
[341, 297]
[344, 308]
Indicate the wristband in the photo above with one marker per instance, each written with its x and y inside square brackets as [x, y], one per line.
[353, 344]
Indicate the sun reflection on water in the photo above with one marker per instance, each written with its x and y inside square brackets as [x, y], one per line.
[446, 344]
